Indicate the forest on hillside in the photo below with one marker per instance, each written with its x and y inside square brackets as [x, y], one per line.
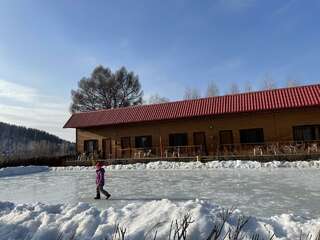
[21, 142]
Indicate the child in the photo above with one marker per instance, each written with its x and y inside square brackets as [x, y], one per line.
[100, 181]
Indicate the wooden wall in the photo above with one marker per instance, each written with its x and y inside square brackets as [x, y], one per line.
[277, 126]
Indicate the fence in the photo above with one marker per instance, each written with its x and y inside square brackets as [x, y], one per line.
[269, 149]
[227, 150]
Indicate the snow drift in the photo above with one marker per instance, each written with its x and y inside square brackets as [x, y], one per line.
[39, 221]
[167, 165]
[13, 171]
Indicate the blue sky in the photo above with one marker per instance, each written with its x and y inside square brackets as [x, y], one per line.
[47, 46]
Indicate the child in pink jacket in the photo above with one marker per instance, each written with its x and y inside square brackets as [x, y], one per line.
[100, 181]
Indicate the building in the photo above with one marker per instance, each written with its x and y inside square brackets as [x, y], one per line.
[280, 121]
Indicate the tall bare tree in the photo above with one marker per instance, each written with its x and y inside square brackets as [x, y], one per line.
[234, 88]
[248, 87]
[191, 93]
[156, 98]
[104, 90]
[212, 90]
[291, 82]
[268, 82]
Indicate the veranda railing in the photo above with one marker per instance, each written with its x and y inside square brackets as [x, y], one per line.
[269, 148]
[223, 150]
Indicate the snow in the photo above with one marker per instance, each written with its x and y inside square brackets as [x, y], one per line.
[81, 220]
[166, 165]
[281, 197]
[13, 171]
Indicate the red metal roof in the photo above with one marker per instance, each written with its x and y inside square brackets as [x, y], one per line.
[285, 98]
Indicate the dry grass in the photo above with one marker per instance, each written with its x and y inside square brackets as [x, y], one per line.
[219, 231]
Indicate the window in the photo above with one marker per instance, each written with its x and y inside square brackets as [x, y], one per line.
[143, 142]
[226, 137]
[306, 133]
[178, 139]
[254, 135]
[125, 143]
[91, 146]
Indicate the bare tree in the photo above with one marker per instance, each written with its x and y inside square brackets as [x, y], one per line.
[291, 82]
[248, 87]
[268, 82]
[104, 90]
[191, 93]
[234, 88]
[212, 90]
[156, 98]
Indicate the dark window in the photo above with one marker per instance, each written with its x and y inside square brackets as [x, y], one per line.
[125, 142]
[306, 133]
[91, 146]
[226, 137]
[178, 139]
[254, 135]
[143, 142]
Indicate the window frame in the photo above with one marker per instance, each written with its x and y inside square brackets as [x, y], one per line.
[260, 132]
[148, 140]
[95, 146]
[315, 128]
[171, 139]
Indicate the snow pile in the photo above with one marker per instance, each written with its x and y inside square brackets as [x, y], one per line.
[39, 221]
[13, 171]
[167, 165]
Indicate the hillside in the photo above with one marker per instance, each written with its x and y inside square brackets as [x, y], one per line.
[22, 142]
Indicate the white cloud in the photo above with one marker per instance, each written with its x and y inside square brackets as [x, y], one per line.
[30, 109]
[16, 92]
[285, 8]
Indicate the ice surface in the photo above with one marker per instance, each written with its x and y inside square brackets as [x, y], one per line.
[260, 192]
[13, 171]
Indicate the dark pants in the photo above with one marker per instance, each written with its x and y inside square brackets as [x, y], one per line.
[100, 189]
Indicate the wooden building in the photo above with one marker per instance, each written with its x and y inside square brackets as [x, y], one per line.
[280, 121]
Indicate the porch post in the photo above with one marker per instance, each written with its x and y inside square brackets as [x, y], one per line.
[161, 150]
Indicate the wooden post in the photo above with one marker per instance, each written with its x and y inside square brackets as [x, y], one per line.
[161, 150]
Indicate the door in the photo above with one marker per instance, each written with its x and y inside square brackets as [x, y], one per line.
[199, 140]
[126, 147]
[226, 142]
[107, 148]
[226, 137]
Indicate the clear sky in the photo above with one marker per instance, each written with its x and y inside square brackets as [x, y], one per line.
[47, 46]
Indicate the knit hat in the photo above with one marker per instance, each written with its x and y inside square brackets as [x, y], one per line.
[98, 165]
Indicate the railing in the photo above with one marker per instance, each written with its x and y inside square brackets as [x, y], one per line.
[269, 148]
[161, 152]
[250, 149]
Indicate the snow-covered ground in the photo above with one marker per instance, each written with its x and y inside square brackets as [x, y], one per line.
[283, 196]
[166, 165]
[39, 221]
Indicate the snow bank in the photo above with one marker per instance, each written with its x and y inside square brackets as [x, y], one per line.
[166, 165]
[39, 221]
[13, 171]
